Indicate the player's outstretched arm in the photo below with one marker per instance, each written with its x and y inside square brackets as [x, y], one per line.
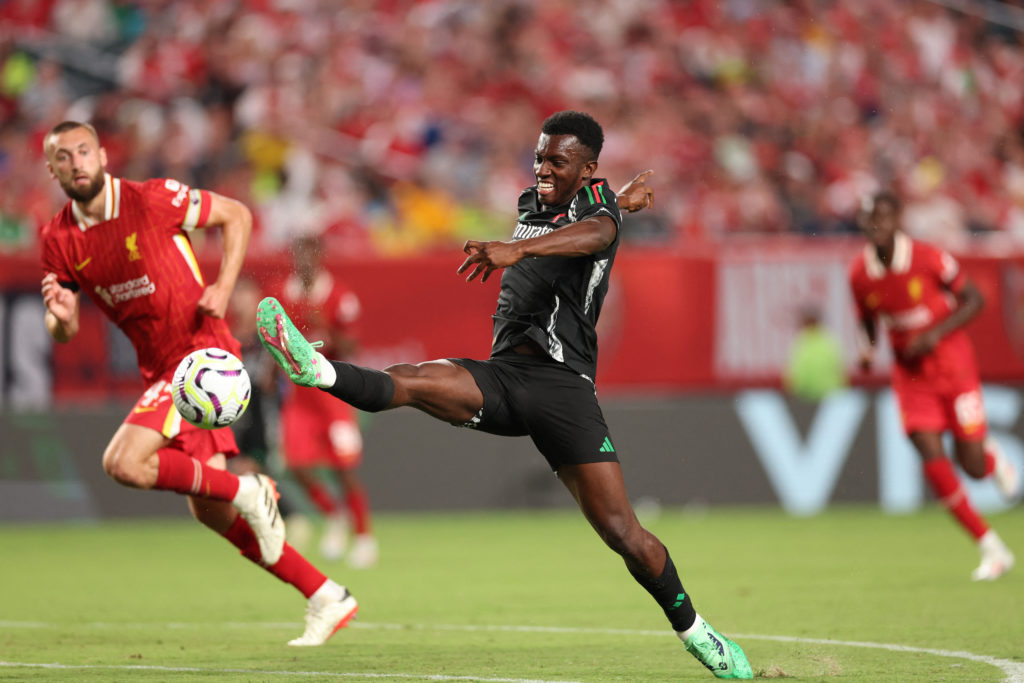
[867, 336]
[235, 221]
[581, 238]
[61, 309]
[636, 195]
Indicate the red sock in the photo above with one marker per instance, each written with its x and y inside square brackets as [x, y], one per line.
[990, 462]
[292, 568]
[178, 472]
[322, 499]
[359, 507]
[939, 473]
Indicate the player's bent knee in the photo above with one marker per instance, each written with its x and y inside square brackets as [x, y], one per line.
[621, 533]
[422, 384]
[971, 458]
[400, 371]
[128, 476]
[215, 514]
[128, 471]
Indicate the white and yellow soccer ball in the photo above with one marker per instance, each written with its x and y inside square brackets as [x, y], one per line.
[211, 388]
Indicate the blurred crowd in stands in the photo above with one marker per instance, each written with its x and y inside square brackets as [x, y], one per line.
[397, 126]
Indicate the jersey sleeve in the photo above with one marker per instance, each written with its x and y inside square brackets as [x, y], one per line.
[177, 204]
[948, 270]
[54, 260]
[598, 199]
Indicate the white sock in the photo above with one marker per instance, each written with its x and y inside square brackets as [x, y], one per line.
[328, 375]
[246, 485]
[328, 592]
[990, 542]
[697, 624]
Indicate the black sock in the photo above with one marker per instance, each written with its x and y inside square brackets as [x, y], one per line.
[362, 388]
[668, 592]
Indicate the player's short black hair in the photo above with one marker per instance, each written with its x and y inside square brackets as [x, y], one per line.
[886, 197]
[579, 124]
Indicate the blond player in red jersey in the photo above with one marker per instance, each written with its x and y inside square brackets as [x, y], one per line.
[318, 431]
[925, 300]
[126, 244]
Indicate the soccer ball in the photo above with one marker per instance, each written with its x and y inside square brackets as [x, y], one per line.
[210, 388]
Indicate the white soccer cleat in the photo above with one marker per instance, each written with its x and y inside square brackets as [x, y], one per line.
[1006, 476]
[996, 558]
[257, 503]
[335, 538]
[364, 552]
[324, 619]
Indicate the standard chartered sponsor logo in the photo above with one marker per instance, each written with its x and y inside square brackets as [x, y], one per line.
[130, 289]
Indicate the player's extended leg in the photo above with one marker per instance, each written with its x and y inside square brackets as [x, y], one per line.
[319, 495]
[439, 388]
[138, 456]
[364, 552]
[996, 559]
[345, 442]
[980, 459]
[600, 491]
[336, 516]
[331, 606]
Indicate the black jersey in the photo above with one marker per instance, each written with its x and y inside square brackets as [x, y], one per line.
[555, 300]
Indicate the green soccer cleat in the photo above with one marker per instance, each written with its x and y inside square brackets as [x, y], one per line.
[286, 344]
[721, 656]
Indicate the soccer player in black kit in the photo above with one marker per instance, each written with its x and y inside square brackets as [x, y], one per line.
[539, 380]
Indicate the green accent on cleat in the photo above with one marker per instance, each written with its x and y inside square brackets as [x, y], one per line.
[721, 656]
[286, 344]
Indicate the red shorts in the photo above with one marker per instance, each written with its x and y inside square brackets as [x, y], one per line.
[156, 410]
[926, 410]
[319, 430]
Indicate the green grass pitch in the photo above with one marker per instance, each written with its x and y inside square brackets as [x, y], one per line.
[518, 596]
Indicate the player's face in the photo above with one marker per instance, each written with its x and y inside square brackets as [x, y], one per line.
[561, 167]
[881, 226]
[77, 161]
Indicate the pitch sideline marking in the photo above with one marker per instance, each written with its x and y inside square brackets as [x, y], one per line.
[329, 674]
[1014, 671]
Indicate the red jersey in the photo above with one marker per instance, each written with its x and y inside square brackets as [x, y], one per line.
[914, 293]
[137, 264]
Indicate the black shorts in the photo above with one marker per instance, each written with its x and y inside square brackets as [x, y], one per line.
[541, 398]
[251, 430]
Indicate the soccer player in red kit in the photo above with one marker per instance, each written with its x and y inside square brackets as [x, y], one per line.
[126, 244]
[316, 429]
[925, 300]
